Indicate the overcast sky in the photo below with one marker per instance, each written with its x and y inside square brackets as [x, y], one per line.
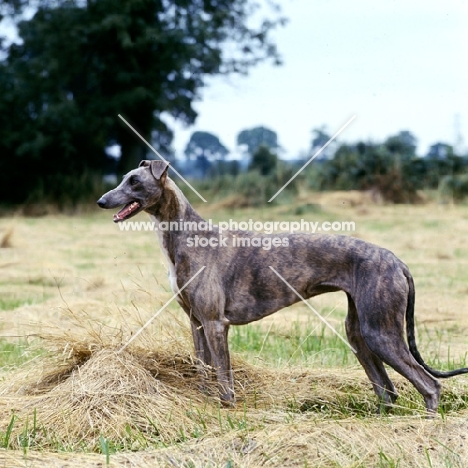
[396, 65]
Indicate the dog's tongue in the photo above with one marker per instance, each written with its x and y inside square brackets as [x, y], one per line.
[126, 211]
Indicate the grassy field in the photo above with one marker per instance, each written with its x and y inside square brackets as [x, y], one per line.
[73, 289]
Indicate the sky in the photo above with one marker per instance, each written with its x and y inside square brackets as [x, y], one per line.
[395, 65]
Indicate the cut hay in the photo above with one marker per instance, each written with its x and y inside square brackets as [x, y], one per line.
[302, 441]
[111, 393]
[86, 388]
[86, 391]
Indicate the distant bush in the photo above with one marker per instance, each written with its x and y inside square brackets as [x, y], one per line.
[390, 170]
[454, 187]
[64, 193]
[392, 187]
[391, 176]
[250, 188]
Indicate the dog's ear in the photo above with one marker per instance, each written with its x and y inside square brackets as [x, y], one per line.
[159, 170]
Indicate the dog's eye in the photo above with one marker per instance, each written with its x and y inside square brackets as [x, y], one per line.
[133, 180]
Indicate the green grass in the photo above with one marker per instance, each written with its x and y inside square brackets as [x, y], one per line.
[301, 343]
[10, 303]
[315, 345]
[306, 209]
[15, 353]
[435, 348]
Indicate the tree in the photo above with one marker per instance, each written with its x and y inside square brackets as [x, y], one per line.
[205, 144]
[319, 138]
[441, 163]
[403, 144]
[80, 64]
[256, 137]
[263, 160]
[440, 151]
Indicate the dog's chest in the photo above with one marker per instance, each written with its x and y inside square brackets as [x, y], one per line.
[171, 273]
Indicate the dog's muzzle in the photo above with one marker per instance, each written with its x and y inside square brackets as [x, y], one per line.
[102, 202]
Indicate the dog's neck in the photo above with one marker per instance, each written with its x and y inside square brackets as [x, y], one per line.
[172, 206]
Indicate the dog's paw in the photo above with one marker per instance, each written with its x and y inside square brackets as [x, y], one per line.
[228, 400]
[228, 403]
[206, 389]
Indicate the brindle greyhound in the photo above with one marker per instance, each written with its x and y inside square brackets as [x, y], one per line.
[238, 287]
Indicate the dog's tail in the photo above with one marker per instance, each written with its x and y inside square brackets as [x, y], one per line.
[412, 339]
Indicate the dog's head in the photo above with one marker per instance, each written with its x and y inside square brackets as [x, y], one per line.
[139, 190]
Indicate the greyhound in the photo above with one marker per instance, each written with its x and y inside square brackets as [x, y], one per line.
[238, 287]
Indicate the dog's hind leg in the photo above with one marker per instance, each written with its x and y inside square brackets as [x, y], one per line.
[382, 327]
[372, 364]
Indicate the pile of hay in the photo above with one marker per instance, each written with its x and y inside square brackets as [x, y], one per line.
[86, 389]
[110, 394]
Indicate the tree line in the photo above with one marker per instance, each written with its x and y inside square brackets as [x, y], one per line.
[77, 65]
[391, 169]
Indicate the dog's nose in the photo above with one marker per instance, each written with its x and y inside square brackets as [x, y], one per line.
[102, 202]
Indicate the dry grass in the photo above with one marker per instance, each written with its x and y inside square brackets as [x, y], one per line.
[85, 387]
[6, 238]
[84, 287]
[303, 442]
[86, 391]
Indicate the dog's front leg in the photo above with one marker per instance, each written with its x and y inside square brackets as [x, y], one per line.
[203, 354]
[216, 334]
[202, 351]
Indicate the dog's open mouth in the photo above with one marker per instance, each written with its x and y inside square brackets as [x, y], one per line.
[126, 211]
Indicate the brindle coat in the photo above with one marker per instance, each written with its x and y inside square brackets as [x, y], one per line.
[238, 287]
